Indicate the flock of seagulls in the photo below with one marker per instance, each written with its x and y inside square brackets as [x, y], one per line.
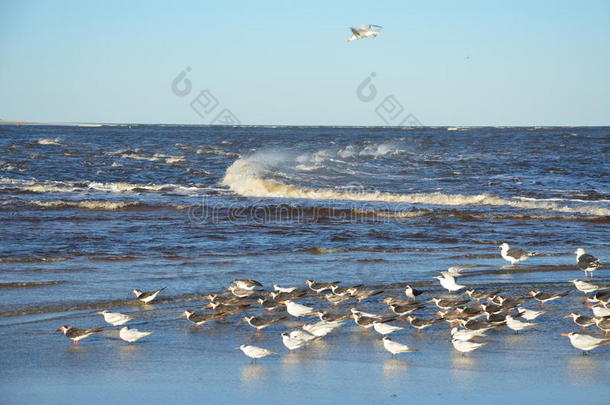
[470, 315]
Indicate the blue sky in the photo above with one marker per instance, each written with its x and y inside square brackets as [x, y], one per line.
[285, 62]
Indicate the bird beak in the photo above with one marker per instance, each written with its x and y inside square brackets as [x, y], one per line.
[228, 288]
[568, 316]
[209, 305]
[283, 302]
[181, 315]
[565, 334]
[100, 312]
[60, 329]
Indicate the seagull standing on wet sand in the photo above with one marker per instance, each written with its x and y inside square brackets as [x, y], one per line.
[585, 343]
[115, 318]
[77, 334]
[514, 255]
[586, 262]
[255, 352]
[466, 346]
[132, 335]
[395, 347]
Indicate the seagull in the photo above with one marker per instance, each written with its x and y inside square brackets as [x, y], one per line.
[198, 318]
[448, 282]
[443, 303]
[132, 335]
[404, 309]
[367, 321]
[302, 335]
[292, 343]
[367, 314]
[260, 323]
[240, 292]
[599, 311]
[584, 342]
[319, 287]
[529, 314]
[255, 352]
[395, 347]
[116, 318]
[544, 297]
[364, 31]
[586, 262]
[518, 325]
[466, 346]
[479, 295]
[580, 320]
[603, 323]
[465, 334]
[455, 270]
[269, 305]
[246, 284]
[146, 297]
[284, 289]
[76, 334]
[411, 292]
[385, 329]
[321, 328]
[421, 323]
[514, 255]
[295, 309]
[586, 287]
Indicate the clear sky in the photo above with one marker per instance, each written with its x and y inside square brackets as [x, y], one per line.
[285, 62]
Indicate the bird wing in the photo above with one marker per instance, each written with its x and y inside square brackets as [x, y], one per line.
[516, 253]
[355, 31]
[365, 27]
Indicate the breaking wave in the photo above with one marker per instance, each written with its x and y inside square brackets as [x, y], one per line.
[251, 176]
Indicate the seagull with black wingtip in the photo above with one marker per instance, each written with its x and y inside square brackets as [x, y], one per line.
[260, 323]
[146, 297]
[583, 321]
[586, 262]
[199, 318]
[77, 334]
[514, 255]
[543, 297]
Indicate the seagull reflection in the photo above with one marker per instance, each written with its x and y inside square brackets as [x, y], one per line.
[585, 370]
[253, 374]
[394, 367]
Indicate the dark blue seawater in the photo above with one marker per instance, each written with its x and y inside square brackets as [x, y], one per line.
[89, 213]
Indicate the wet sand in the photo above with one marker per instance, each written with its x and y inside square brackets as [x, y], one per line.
[183, 364]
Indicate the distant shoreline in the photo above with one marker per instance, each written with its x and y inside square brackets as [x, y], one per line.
[447, 127]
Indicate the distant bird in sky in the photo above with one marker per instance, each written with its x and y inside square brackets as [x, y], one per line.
[364, 31]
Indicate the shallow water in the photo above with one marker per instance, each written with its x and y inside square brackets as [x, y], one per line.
[88, 214]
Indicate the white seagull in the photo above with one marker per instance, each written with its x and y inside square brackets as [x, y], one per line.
[132, 335]
[465, 334]
[518, 325]
[465, 346]
[514, 255]
[395, 347]
[255, 352]
[448, 282]
[364, 31]
[585, 342]
[292, 343]
[586, 287]
[115, 318]
[385, 329]
[296, 309]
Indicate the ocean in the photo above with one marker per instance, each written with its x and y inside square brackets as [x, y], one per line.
[89, 213]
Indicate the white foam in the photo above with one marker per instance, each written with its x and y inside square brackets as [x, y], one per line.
[247, 177]
[46, 141]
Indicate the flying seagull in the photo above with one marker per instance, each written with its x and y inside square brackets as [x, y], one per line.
[364, 31]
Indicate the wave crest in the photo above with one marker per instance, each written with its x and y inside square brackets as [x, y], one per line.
[247, 177]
